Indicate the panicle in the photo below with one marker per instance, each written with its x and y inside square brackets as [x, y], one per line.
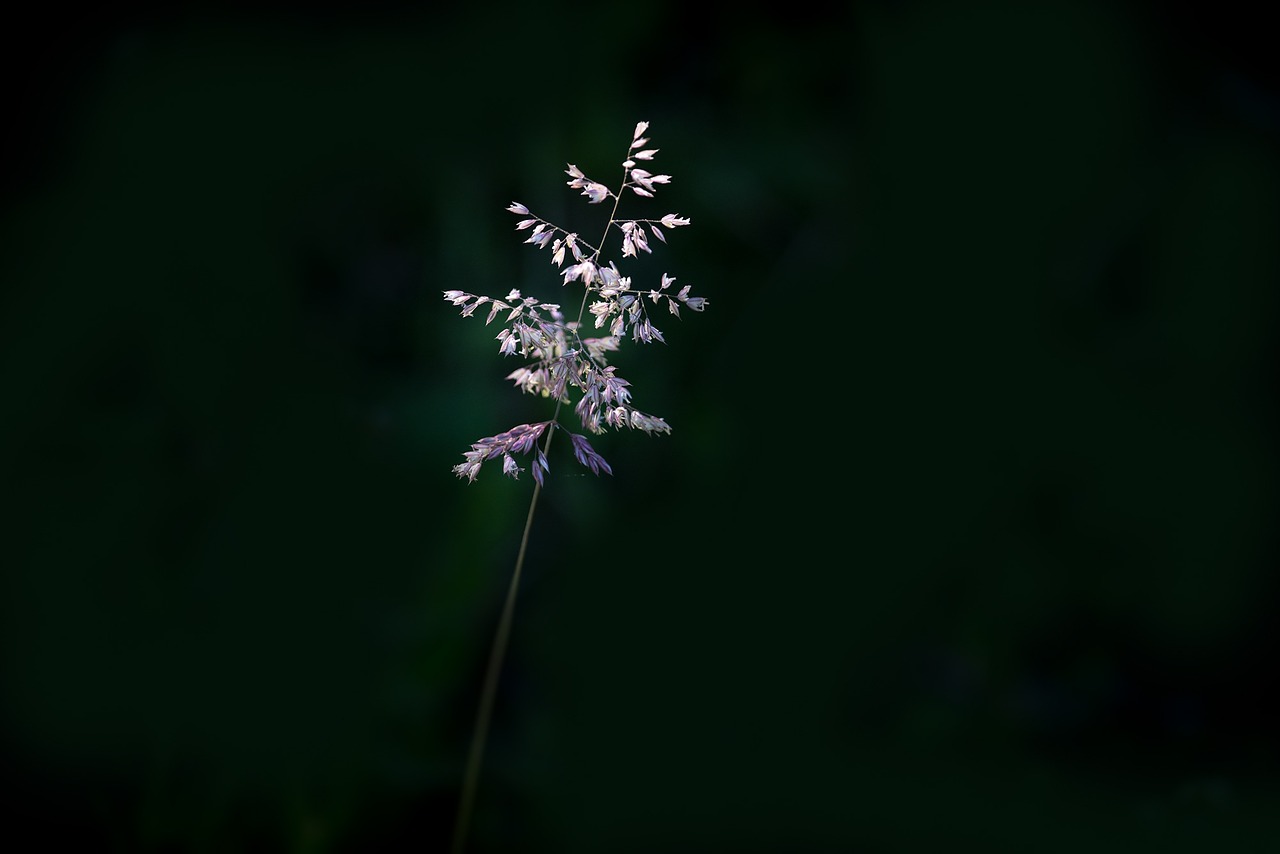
[560, 362]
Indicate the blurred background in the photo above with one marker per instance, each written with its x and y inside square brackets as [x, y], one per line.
[965, 534]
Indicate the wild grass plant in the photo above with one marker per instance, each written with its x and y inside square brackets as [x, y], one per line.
[567, 362]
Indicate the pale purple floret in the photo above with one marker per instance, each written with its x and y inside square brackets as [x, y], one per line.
[587, 455]
[518, 440]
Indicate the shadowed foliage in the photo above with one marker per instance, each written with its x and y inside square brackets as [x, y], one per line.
[964, 531]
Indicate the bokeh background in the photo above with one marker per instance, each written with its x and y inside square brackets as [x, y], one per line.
[965, 535]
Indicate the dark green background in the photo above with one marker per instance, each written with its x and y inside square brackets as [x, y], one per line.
[964, 535]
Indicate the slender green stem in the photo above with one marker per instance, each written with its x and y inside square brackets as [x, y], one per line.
[490, 690]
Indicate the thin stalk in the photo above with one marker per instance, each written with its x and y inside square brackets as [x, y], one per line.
[490, 690]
